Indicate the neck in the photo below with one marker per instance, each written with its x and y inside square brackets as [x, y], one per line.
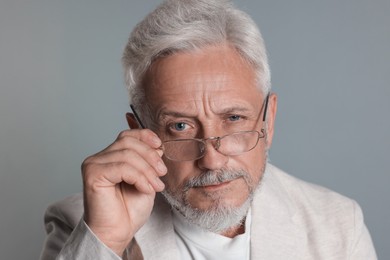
[234, 231]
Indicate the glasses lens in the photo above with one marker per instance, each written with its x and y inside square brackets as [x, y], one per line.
[183, 150]
[193, 149]
[238, 143]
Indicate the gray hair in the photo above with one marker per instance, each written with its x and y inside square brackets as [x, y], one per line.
[188, 25]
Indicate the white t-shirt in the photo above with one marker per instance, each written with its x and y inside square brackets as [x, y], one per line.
[196, 243]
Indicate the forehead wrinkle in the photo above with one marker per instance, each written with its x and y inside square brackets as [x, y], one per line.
[235, 104]
[192, 103]
[162, 115]
[207, 106]
[179, 109]
[200, 85]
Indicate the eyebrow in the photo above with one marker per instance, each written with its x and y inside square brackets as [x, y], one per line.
[165, 114]
[228, 110]
[232, 110]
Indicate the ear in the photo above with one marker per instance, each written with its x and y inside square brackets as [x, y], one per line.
[131, 121]
[271, 115]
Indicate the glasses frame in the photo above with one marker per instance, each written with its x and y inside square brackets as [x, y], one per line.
[217, 138]
[216, 145]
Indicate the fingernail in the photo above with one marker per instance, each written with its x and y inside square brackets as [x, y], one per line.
[156, 140]
[151, 187]
[161, 167]
[160, 152]
[160, 183]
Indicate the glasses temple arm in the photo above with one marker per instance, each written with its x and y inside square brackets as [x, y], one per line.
[137, 117]
[266, 107]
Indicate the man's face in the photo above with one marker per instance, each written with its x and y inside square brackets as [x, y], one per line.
[208, 93]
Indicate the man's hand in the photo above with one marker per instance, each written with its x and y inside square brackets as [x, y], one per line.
[120, 184]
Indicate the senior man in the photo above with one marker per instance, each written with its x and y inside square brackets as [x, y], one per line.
[190, 180]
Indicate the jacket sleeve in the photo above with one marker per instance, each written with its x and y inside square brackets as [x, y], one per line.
[69, 237]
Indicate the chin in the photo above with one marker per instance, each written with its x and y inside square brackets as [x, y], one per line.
[213, 200]
[214, 203]
[215, 216]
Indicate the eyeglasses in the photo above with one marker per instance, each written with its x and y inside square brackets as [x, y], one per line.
[194, 148]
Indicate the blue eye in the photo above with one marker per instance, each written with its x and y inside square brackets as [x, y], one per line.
[234, 118]
[179, 126]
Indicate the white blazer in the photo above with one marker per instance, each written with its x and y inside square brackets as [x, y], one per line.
[291, 219]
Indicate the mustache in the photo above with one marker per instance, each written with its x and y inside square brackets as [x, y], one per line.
[215, 178]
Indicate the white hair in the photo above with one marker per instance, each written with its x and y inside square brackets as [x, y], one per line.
[187, 25]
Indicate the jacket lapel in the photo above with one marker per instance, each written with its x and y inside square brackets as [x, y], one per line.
[274, 233]
[156, 238]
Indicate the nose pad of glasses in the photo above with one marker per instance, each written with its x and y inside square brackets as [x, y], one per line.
[202, 148]
[217, 143]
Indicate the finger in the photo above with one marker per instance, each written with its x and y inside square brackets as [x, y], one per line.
[102, 176]
[145, 135]
[149, 171]
[149, 167]
[127, 138]
[140, 165]
[138, 154]
[141, 179]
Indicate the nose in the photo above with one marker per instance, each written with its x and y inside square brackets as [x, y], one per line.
[212, 159]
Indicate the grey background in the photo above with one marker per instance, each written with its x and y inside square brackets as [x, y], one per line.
[62, 98]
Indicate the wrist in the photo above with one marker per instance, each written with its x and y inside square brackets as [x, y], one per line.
[118, 246]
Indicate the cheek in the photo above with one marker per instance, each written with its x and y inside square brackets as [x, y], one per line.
[253, 162]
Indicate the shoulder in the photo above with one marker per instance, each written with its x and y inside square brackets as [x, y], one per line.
[316, 209]
[304, 194]
[68, 211]
[330, 225]
[308, 220]
[61, 218]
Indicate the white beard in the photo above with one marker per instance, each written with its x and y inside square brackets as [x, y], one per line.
[219, 217]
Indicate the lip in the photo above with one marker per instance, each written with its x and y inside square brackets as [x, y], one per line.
[216, 186]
